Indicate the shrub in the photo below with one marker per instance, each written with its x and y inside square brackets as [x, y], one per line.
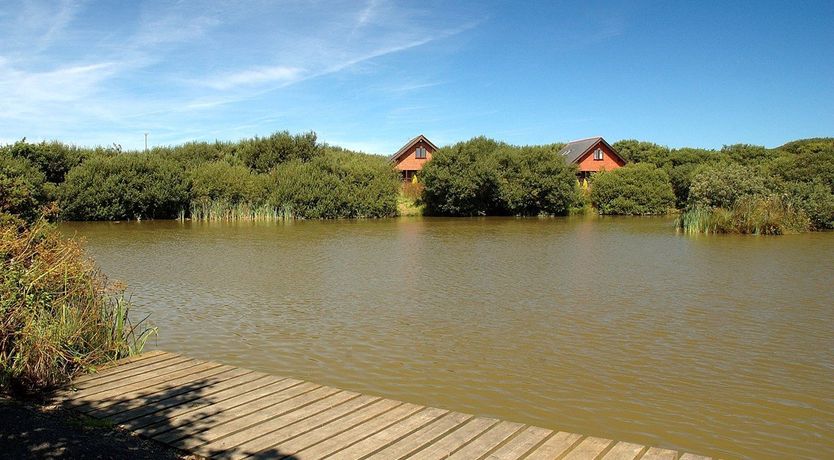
[336, 184]
[720, 186]
[221, 181]
[57, 316]
[22, 189]
[758, 215]
[485, 177]
[462, 180]
[815, 200]
[264, 153]
[634, 151]
[535, 182]
[54, 159]
[125, 186]
[635, 189]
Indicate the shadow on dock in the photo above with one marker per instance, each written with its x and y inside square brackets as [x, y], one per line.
[186, 417]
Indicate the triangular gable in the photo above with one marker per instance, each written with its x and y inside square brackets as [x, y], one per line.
[407, 147]
[575, 151]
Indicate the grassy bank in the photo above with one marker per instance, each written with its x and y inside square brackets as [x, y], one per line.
[58, 314]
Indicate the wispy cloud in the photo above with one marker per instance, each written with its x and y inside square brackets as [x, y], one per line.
[73, 66]
[255, 76]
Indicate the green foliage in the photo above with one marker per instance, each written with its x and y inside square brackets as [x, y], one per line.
[58, 315]
[720, 186]
[756, 215]
[221, 181]
[485, 177]
[22, 189]
[264, 153]
[336, 184]
[634, 151]
[815, 200]
[810, 163]
[462, 180]
[54, 159]
[126, 186]
[747, 154]
[635, 189]
[536, 181]
[192, 154]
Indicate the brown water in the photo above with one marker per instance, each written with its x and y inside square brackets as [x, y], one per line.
[621, 328]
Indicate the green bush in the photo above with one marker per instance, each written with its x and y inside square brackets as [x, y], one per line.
[221, 181]
[264, 153]
[54, 159]
[751, 214]
[58, 315]
[125, 186]
[535, 182]
[635, 189]
[816, 200]
[634, 151]
[22, 189]
[336, 184]
[720, 186]
[485, 177]
[463, 180]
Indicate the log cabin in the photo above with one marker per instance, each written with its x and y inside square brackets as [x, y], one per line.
[592, 155]
[412, 156]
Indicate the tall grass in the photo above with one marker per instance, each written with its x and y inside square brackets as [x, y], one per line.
[58, 314]
[760, 215]
[217, 210]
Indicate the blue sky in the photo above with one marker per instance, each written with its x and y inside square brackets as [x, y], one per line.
[372, 74]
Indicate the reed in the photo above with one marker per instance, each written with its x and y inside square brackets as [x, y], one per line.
[223, 211]
[59, 316]
[761, 215]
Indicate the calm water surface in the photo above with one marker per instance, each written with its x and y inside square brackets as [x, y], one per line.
[621, 328]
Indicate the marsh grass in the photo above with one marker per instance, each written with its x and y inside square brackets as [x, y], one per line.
[759, 215]
[218, 210]
[59, 316]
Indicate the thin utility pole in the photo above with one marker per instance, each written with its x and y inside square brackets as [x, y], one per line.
[146, 142]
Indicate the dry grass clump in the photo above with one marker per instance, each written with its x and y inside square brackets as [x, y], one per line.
[58, 314]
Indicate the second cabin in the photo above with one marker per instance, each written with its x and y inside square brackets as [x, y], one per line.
[411, 158]
[591, 155]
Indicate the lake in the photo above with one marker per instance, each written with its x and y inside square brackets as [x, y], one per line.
[614, 327]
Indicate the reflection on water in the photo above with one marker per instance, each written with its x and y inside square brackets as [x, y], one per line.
[620, 328]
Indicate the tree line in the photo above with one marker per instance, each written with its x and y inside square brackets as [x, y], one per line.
[744, 188]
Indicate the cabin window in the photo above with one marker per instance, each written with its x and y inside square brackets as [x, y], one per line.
[421, 152]
[598, 154]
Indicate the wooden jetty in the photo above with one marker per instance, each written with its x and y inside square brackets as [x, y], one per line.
[220, 411]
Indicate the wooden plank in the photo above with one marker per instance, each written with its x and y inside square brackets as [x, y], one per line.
[190, 396]
[265, 422]
[146, 386]
[456, 439]
[590, 447]
[296, 444]
[164, 387]
[246, 416]
[359, 432]
[121, 365]
[153, 370]
[383, 438]
[488, 441]
[693, 457]
[656, 453]
[413, 442]
[624, 451]
[218, 411]
[130, 370]
[258, 442]
[521, 444]
[557, 445]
